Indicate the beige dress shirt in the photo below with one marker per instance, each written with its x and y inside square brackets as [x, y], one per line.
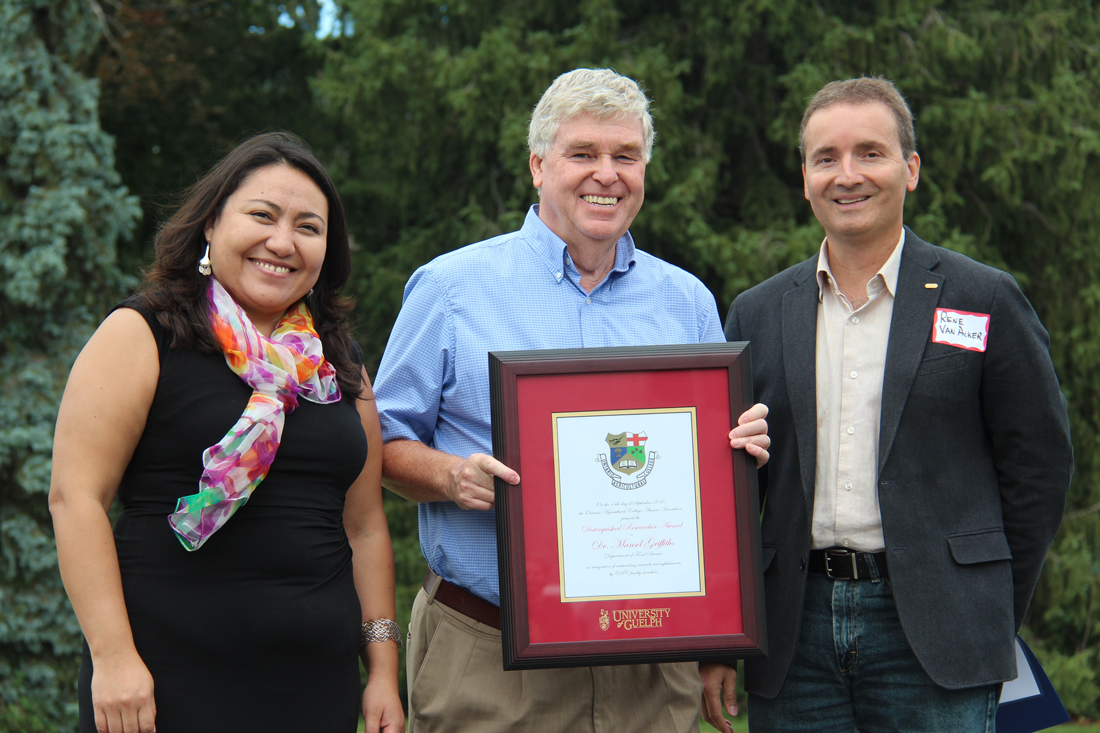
[851, 357]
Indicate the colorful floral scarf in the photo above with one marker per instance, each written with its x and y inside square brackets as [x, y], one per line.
[280, 368]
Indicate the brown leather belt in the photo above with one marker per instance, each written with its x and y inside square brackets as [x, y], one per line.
[461, 600]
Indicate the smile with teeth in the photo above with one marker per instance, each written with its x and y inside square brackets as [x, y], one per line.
[601, 200]
[852, 200]
[280, 269]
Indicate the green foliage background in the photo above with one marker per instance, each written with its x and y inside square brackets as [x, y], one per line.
[420, 110]
[63, 210]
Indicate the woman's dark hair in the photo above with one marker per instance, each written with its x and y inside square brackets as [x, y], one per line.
[177, 292]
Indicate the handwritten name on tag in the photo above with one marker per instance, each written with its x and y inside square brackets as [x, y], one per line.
[960, 328]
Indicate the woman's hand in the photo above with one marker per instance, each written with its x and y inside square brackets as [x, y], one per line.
[122, 695]
[382, 706]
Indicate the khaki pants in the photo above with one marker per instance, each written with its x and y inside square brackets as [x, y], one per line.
[457, 683]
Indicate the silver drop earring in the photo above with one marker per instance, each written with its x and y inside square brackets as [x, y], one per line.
[204, 263]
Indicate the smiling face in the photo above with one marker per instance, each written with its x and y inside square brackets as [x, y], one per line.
[268, 243]
[592, 182]
[855, 174]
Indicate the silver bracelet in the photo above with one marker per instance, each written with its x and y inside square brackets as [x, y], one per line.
[380, 630]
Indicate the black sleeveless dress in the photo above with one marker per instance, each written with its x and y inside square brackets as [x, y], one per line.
[257, 630]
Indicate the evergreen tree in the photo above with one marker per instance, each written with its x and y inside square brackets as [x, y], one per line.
[184, 82]
[62, 213]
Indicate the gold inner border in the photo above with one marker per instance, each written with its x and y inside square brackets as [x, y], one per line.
[698, 508]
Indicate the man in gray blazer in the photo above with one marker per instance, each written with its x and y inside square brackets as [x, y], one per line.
[921, 453]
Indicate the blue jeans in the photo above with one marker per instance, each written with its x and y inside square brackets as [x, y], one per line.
[853, 670]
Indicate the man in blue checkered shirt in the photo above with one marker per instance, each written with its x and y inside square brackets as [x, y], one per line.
[569, 278]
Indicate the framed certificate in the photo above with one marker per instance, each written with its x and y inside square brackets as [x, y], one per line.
[634, 533]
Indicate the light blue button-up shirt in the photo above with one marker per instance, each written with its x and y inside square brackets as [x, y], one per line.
[516, 291]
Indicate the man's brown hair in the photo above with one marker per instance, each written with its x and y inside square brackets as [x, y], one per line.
[864, 90]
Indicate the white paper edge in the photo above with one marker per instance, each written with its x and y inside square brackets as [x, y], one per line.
[1024, 685]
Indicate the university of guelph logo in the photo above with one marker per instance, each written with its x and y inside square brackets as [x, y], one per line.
[627, 452]
[628, 457]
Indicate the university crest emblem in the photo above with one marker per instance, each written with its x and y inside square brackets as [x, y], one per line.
[627, 464]
[627, 451]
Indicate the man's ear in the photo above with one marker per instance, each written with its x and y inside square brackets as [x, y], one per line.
[536, 170]
[914, 172]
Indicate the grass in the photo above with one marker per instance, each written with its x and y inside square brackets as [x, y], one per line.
[741, 725]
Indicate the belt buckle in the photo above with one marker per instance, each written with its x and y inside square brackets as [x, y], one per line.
[830, 554]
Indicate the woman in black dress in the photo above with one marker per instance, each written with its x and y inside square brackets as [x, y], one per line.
[227, 407]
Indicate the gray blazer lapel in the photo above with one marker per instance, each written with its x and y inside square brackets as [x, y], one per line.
[799, 362]
[910, 331]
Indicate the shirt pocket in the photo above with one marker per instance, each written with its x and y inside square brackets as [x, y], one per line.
[987, 545]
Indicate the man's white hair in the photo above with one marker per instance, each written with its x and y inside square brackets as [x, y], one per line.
[599, 92]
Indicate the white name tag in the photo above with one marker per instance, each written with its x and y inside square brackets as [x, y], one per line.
[960, 328]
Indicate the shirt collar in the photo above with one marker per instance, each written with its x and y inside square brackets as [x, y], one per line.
[554, 253]
[887, 274]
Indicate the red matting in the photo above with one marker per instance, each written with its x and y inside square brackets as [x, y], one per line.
[718, 613]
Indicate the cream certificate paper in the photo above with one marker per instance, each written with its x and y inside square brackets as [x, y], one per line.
[627, 485]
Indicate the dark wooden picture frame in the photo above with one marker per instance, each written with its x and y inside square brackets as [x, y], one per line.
[540, 631]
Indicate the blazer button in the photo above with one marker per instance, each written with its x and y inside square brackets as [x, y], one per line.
[802, 563]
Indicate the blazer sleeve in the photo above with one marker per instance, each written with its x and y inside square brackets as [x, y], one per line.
[732, 332]
[1028, 426]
